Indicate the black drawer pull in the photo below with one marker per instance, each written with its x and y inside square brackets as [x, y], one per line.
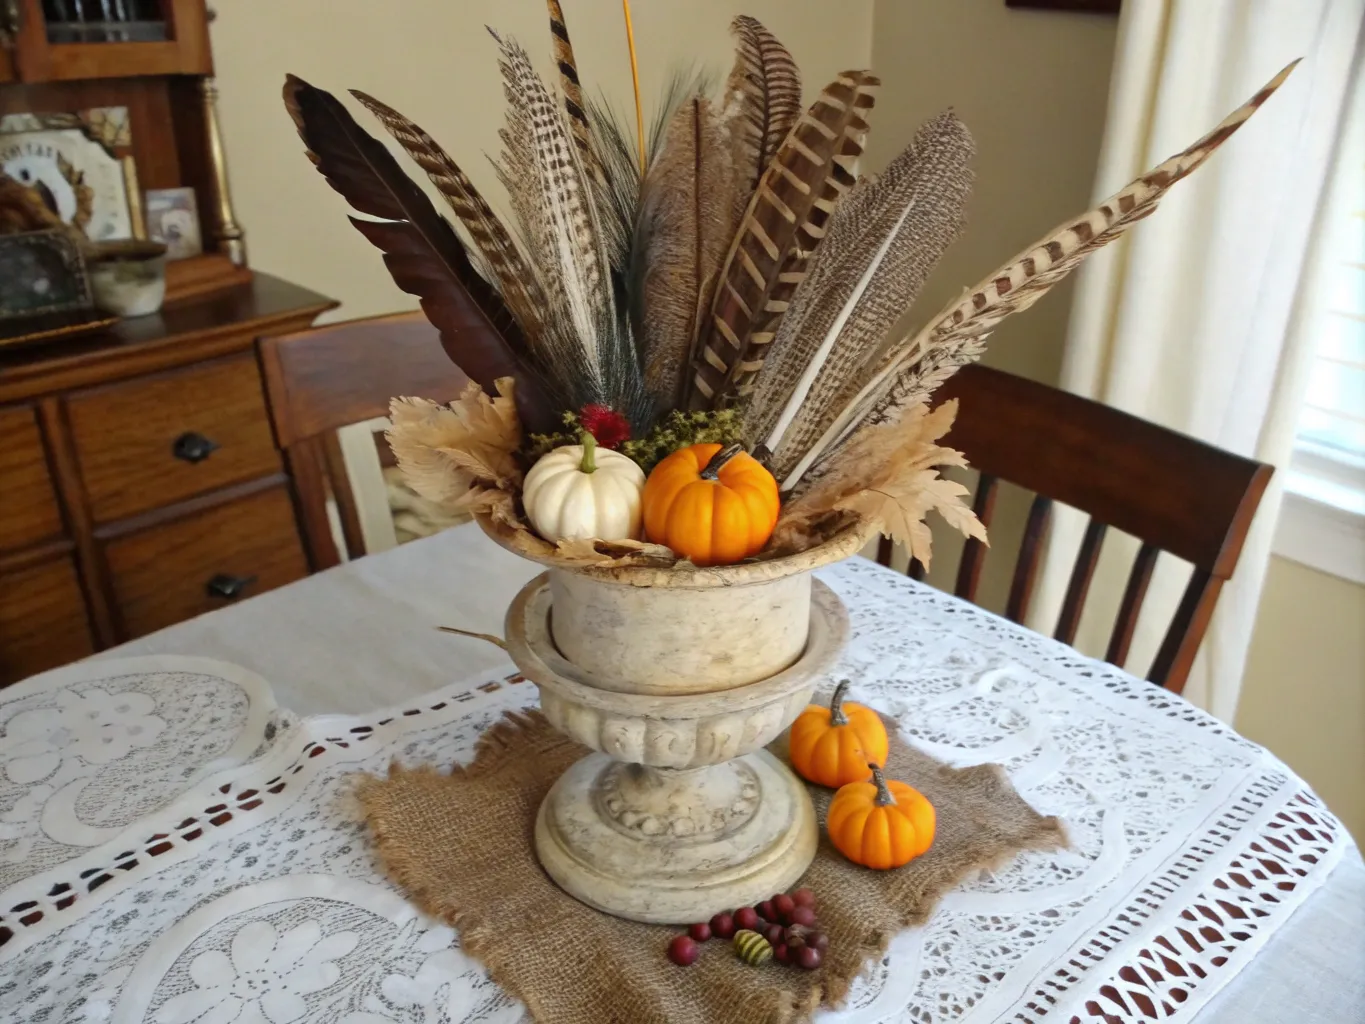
[193, 447]
[227, 586]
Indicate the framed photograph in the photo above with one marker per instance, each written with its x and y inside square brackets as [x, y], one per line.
[73, 162]
[41, 272]
[173, 218]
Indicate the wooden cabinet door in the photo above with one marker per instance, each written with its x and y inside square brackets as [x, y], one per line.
[62, 52]
[42, 620]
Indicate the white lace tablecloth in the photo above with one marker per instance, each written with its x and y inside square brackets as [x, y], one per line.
[175, 849]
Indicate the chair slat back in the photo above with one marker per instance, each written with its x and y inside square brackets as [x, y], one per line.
[1173, 493]
[333, 376]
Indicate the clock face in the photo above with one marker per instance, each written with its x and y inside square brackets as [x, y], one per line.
[77, 177]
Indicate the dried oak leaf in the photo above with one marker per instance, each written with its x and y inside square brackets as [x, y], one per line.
[445, 452]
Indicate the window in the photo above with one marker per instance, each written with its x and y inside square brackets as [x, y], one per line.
[1323, 520]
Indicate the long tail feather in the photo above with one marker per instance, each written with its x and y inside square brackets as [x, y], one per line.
[513, 275]
[785, 221]
[572, 88]
[421, 249]
[905, 219]
[767, 84]
[919, 362]
[685, 228]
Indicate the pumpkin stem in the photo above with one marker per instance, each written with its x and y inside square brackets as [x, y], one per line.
[718, 461]
[836, 711]
[589, 463]
[884, 797]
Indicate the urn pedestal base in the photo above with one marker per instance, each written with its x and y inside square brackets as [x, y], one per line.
[671, 846]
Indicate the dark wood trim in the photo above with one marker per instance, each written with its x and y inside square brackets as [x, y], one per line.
[1079, 587]
[1172, 664]
[90, 565]
[24, 558]
[1075, 6]
[973, 551]
[1036, 529]
[189, 507]
[886, 547]
[342, 494]
[310, 500]
[1125, 622]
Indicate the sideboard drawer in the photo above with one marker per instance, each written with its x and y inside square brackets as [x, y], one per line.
[179, 569]
[28, 505]
[42, 620]
[153, 441]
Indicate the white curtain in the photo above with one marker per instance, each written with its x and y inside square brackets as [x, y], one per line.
[1189, 321]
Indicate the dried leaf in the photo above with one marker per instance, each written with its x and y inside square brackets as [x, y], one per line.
[445, 452]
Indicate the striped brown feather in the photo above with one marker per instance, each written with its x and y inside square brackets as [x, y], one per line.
[766, 83]
[784, 222]
[917, 364]
[508, 268]
[570, 86]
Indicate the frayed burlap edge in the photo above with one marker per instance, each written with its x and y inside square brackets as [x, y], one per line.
[519, 757]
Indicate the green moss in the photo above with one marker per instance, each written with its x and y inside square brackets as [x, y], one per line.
[676, 430]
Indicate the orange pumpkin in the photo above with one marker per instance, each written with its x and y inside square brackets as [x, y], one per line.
[880, 824]
[710, 504]
[832, 746]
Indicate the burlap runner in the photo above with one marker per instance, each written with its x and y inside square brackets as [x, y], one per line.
[461, 845]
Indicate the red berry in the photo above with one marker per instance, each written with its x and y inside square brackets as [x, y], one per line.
[683, 951]
[782, 954]
[803, 898]
[817, 940]
[766, 910]
[783, 905]
[746, 917]
[795, 936]
[700, 932]
[808, 958]
[722, 926]
[802, 915]
[774, 934]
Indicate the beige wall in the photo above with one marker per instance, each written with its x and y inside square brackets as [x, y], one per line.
[1032, 86]
[433, 60]
[1303, 695]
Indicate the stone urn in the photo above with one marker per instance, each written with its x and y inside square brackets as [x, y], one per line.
[678, 679]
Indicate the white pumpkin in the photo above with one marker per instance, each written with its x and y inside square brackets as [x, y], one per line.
[581, 492]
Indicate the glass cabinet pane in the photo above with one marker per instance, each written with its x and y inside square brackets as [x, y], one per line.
[105, 21]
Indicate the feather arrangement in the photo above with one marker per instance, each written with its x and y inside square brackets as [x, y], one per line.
[784, 222]
[904, 219]
[711, 274]
[917, 364]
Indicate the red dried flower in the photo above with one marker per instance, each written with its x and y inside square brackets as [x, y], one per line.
[609, 427]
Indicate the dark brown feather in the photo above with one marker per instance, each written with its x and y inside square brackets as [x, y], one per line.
[515, 279]
[784, 222]
[421, 249]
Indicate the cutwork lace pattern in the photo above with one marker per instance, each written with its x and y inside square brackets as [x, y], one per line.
[247, 892]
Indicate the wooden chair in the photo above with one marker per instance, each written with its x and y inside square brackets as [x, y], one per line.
[330, 377]
[1171, 492]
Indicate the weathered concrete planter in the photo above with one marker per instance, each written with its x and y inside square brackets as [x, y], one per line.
[678, 679]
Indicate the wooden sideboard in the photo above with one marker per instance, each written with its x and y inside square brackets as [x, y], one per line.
[140, 483]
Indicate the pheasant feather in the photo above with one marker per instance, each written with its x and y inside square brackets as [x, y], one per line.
[506, 266]
[784, 222]
[884, 239]
[586, 343]
[569, 84]
[918, 363]
[767, 85]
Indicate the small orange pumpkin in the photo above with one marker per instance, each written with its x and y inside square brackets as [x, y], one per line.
[880, 824]
[710, 504]
[832, 746]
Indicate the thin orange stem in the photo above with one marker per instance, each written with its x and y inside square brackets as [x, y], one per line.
[635, 80]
